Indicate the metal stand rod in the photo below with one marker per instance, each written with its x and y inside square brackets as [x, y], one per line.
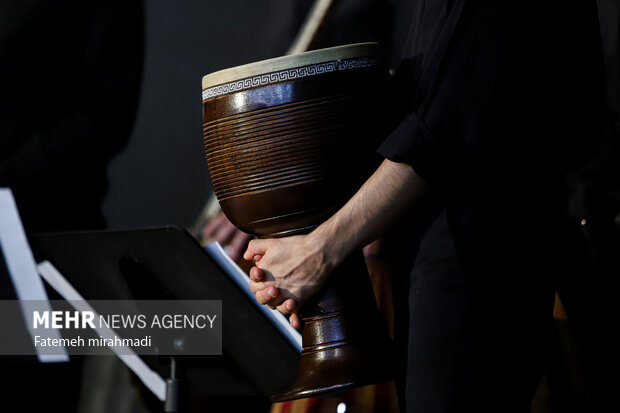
[173, 393]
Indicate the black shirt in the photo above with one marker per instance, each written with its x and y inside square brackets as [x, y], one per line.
[498, 90]
[500, 99]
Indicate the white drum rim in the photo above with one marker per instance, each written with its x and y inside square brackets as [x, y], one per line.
[289, 62]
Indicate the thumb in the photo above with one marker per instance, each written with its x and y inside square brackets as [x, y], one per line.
[256, 247]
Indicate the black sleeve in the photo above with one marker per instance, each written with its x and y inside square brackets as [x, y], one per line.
[411, 143]
[506, 91]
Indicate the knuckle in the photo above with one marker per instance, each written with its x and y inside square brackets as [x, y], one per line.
[260, 298]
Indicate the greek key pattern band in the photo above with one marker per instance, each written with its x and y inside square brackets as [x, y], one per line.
[289, 74]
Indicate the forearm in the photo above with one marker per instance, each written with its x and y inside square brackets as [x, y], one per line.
[290, 270]
[378, 204]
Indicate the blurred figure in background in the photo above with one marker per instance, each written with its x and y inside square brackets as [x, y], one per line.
[69, 80]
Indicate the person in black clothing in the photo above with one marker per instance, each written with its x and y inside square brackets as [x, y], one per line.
[70, 75]
[69, 80]
[501, 99]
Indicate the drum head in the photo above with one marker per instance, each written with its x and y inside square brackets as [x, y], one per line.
[290, 63]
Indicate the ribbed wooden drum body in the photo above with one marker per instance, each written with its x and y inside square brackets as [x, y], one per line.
[292, 138]
[288, 141]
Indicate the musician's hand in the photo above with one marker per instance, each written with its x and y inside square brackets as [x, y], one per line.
[233, 240]
[290, 306]
[294, 268]
[288, 271]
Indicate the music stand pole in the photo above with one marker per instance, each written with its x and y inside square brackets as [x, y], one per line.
[173, 389]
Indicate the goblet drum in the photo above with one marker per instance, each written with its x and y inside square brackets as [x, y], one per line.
[288, 141]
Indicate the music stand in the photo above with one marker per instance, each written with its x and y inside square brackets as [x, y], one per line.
[167, 263]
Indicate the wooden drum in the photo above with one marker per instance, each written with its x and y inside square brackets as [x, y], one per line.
[288, 141]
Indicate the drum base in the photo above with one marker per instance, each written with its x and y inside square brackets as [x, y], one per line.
[345, 344]
[336, 370]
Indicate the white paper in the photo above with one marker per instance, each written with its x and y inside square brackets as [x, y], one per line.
[23, 271]
[151, 379]
[240, 278]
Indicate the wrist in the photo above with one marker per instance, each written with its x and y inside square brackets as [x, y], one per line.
[325, 241]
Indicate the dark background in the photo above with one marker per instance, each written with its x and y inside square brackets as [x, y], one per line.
[161, 177]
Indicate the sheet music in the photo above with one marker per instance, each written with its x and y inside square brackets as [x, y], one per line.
[22, 269]
[151, 379]
[240, 278]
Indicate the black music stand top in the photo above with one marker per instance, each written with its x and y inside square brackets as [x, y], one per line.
[167, 263]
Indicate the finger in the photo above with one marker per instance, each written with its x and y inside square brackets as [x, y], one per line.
[256, 247]
[295, 321]
[256, 274]
[258, 286]
[267, 295]
[257, 258]
[287, 307]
